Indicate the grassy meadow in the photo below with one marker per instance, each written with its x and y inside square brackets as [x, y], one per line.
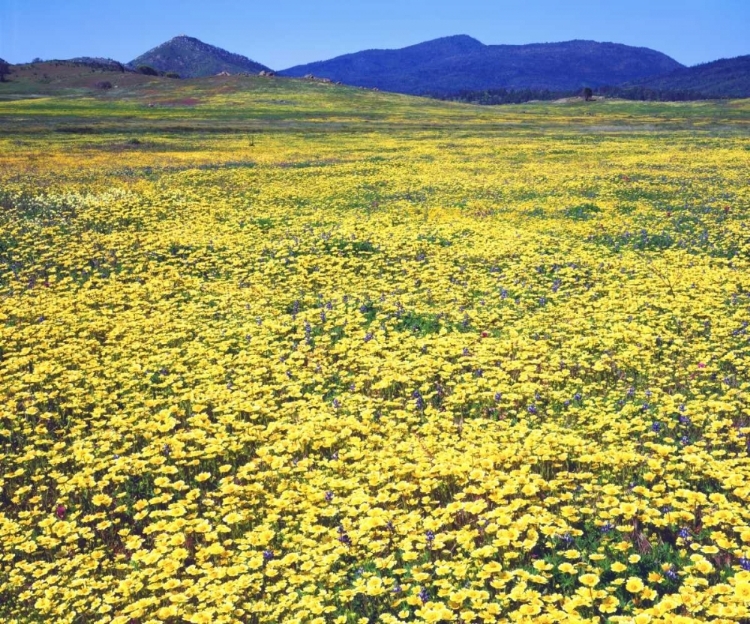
[281, 351]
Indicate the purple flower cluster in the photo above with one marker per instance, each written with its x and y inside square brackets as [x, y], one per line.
[430, 537]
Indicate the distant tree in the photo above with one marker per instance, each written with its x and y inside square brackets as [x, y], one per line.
[4, 69]
[147, 70]
[588, 94]
[172, 75]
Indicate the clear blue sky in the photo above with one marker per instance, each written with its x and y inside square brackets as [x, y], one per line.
[282, 33]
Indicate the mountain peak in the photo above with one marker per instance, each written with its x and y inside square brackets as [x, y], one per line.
[453, 44]
[192, 58]
[186, 39]
[467, 39]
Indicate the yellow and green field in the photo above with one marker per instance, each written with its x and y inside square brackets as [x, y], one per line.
[277, 351]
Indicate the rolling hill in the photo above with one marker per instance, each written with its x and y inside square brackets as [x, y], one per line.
[458, 67]
[191, 58]
[723, 78]
[462, 62]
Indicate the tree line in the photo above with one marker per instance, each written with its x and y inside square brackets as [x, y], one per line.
[492, 97]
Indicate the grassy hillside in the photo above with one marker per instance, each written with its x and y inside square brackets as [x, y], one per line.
[275, 351]
[69, 78]
[279, 104]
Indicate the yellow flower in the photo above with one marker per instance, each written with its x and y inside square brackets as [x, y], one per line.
[589, 580]
[233, 518]
[742, 592]
[492, 567]
[609, 605]
[374, 586]
[655, 577]
[634, 585]
[618, 567]
[101, 500]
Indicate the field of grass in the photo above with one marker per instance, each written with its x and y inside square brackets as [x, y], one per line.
[280, 351]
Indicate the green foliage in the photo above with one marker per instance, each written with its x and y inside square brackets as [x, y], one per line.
[582, 212]
[147, 70]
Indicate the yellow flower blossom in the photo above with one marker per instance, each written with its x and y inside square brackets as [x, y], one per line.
[589, 580]
[634, 585]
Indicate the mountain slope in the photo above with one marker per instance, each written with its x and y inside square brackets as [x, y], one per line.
[461, 62]
[722, 78]
[191, 58]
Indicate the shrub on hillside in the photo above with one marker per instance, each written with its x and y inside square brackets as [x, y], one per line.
[147, 70]
[4, 69]
[172, 75]
[103, 84]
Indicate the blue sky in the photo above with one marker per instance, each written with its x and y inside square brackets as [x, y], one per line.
[282, 33]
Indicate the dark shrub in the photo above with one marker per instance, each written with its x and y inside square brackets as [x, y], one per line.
[147, 70]
[4, 69]
[104, 85]
[172, 75]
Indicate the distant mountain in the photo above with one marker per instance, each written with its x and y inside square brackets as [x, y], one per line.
[191, 58]
[722, 78]
[454, 63]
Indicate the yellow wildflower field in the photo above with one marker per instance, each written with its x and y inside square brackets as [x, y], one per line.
[297, 355]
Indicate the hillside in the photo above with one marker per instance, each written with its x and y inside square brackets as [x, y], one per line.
[191, 58]
[72, 77]
[722, 78]
[461, 62]
[99, 63]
